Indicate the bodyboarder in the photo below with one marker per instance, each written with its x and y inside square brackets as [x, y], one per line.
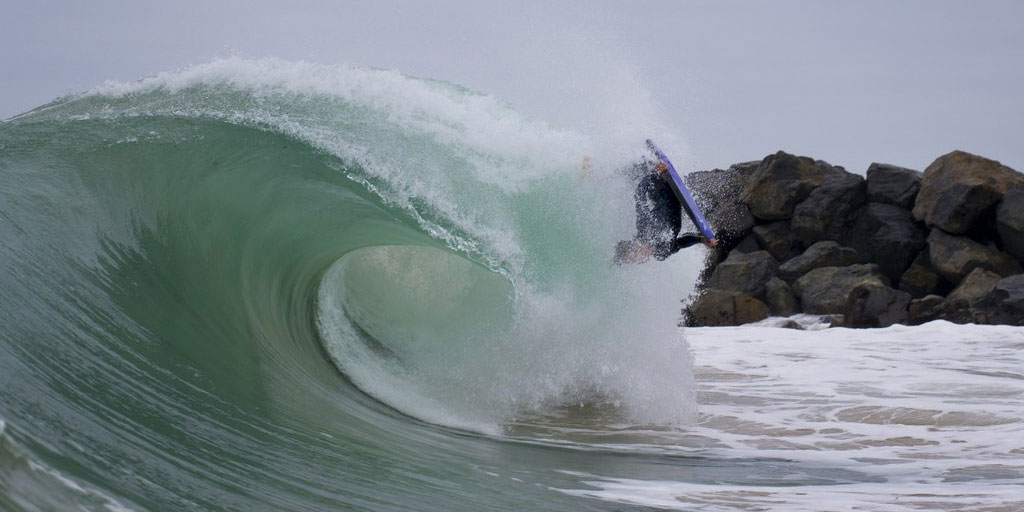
[658, 220]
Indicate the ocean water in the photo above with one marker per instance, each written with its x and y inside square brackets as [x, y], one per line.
[272, 285]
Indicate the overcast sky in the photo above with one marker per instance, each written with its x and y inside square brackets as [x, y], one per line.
[849, 82]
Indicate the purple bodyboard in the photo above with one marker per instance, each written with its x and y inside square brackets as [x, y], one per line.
[683, 193]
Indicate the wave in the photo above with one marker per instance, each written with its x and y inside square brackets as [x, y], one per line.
[251, 267]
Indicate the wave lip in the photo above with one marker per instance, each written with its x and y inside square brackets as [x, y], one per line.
[212, 258]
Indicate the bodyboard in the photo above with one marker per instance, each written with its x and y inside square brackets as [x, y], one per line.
[683, 193]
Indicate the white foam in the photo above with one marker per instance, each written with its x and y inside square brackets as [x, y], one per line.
[934, 411]
[483, 124]
[500, 187]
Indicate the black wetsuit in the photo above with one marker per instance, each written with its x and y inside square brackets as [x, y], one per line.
[659, 217]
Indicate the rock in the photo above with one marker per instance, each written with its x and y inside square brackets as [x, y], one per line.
[744, 272]
[956, 256]
[778, 239]
[959, 191]
[977, 285]
[821, 254]
[1006, 301]
[824, 290]
[718, 193]
[874, 305]
[724, 307]
[887, 235]
[780, 182]
[892, 185]
[960, 311]
[780, 299]
[830, 209]
[1010, 222]
[790, 324]
[926, 309]
[748, 244]
[921, 279]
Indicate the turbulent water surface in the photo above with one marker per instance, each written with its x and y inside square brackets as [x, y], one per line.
[264, 285]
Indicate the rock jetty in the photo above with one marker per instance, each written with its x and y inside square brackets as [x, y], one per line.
[798, 235]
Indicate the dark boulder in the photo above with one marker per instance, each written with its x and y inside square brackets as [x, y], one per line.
[782, 181]
[956, 256]
[748, 244]
[921, 279]
[744, 272]
[1010, 222]
[824, 290]
[875, 305]
[886, 235]
[959, 191]
[893, 185]
[977, 285]
[725, 307]
[926, 309]
[718, 194]
[830, 209]
[778, 239]
[780, 299]
[1005, 303]
[820, 254]
[960, 311]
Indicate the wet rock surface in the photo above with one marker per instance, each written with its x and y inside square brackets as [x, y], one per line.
[830, 209]
[956, 256]
[721, 307]
[959, 190]
[821, 254]
[886, 235]
[824, 290]
[873, 305]
[1010, 223]
[900, 246]
[893, 185]
[744, 272]
[780, 182]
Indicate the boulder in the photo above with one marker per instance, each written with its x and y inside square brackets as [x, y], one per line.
[959, 191]
[789, 323]
[830, 209]
[744, 272]
[925, 309]
[780, 299]
[748, 244]
[824, 290]
[1005, 303]
[778, 239]
[892, 185]
[780, 182]
[956, 256]
[725, 307]
[875, 305]
[718, 193]
[960, 311]
[887, 235]
[921, 279]
[820, 254]
[977, 285]
[1010, 222]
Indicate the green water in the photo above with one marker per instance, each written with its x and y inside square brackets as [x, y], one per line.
[271, 286]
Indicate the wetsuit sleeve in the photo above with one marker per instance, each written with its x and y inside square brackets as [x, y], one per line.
[686, 240]
[662, 250]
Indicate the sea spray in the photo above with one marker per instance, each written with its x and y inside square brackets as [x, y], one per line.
[450, 174]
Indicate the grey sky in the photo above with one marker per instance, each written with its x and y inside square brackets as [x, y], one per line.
[849, 82]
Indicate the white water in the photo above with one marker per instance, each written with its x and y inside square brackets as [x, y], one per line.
[935, 412]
